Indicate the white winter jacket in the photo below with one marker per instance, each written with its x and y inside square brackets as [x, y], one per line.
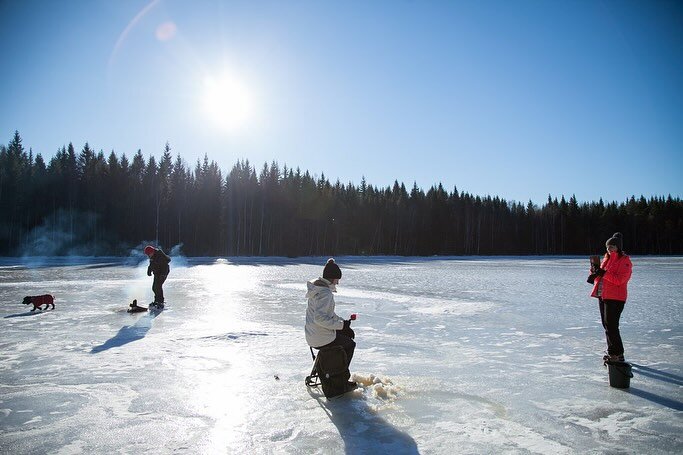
[321, 320]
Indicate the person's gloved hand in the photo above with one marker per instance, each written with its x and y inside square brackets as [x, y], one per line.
[600, 272]
[591, 278]
[149, 273]
[346, 330]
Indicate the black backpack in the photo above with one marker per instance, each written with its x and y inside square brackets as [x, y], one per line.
[333, 370]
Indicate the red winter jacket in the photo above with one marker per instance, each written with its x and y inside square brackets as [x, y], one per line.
[617, 273]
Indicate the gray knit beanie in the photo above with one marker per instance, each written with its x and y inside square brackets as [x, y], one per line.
[616, 240]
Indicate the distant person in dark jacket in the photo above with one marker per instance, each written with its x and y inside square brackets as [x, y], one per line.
[158, 265]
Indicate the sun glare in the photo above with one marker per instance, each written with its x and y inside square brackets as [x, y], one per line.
[227, 102]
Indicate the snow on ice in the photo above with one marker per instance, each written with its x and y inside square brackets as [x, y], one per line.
[454, 355]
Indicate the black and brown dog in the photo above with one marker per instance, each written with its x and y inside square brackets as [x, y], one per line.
[39, 300]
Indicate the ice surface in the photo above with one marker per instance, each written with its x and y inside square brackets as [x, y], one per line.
[454, 355]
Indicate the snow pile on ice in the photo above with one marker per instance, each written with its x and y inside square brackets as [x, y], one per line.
[381, 387]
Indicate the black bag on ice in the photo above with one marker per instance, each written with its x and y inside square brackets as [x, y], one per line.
[333, 370]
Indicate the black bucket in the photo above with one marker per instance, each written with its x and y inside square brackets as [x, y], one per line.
[619, 374]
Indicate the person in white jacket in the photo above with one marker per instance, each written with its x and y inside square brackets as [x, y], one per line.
[323, 326]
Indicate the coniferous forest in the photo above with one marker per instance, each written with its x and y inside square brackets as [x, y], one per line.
[85, 203]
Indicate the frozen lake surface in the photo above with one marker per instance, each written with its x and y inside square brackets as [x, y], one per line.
[457, 355]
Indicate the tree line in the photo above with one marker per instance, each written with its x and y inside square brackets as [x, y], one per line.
[88, 204]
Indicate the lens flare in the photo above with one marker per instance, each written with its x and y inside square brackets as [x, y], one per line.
[166, 31]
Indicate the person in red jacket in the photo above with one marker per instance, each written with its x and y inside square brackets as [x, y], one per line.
[610, 288]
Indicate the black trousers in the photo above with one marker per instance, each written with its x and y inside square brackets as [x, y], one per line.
[345, 342]
[610, 313]
[157, 288]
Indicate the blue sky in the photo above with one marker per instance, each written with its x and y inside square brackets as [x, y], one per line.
[518, 99]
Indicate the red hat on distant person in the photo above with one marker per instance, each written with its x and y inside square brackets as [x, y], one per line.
[149, 250]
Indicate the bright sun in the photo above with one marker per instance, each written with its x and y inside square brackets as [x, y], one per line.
[227, 102]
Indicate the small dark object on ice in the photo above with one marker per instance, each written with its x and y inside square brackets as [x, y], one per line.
[38, 300]
[620, 373]
[277, 378]
[134, 308]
